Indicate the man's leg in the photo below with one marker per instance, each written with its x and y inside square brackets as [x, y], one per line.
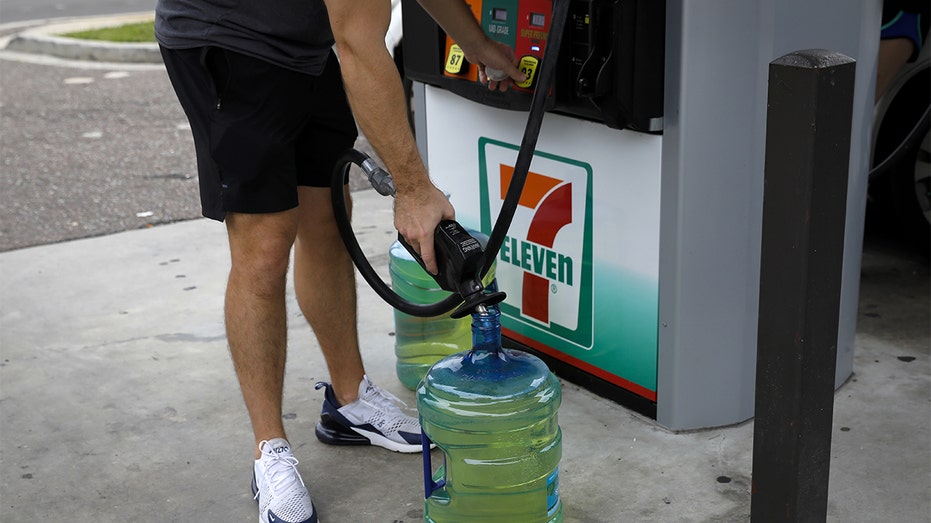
[324, 281]
[256, 321]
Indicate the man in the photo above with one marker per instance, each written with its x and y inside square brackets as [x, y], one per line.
[269, 116]
[904, 27]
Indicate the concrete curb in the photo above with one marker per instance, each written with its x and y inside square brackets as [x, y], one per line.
[46, 40]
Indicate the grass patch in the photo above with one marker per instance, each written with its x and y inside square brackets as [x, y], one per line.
[128, 33]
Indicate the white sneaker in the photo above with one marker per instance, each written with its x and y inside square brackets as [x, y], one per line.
[278, 486]
[376, 418]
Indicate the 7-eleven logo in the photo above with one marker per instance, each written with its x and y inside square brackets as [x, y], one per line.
[545, 261]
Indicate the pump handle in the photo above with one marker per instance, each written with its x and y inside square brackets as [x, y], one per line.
[495, 74]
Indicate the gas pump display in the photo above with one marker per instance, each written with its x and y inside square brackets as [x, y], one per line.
[610, 65]
[521, 25]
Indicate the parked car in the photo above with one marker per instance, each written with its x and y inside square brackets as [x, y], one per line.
[900, 177]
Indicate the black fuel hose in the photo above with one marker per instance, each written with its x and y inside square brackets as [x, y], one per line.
[528, 145]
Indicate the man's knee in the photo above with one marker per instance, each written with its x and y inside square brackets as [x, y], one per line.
[317, 219]
[260, 244]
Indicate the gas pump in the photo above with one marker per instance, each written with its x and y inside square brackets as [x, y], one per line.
[610, 62]
[632, 263]
[609, 73]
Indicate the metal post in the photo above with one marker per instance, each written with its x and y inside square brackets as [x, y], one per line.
[804, 206]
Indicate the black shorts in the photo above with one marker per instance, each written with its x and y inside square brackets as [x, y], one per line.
[260, 130]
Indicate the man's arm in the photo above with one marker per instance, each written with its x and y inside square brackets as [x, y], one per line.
[376, 96]
[456, 18]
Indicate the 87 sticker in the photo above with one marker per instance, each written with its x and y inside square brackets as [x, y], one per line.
[455, 60]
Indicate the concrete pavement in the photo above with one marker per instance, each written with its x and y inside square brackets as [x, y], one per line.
[118, 400]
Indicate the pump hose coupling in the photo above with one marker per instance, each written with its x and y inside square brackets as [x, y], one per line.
[381, 181]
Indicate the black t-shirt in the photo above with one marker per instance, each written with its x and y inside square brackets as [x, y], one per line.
[294, 34]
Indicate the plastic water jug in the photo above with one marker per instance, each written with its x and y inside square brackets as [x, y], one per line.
[492, 412]
[421, 342]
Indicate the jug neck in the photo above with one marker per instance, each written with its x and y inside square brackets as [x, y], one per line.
[486, 331]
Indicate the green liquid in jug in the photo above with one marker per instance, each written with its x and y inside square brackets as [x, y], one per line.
[421, 342]
[492, 413]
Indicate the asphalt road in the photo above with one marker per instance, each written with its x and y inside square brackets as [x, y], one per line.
[87, 152]
[89, 149]
[23, 10]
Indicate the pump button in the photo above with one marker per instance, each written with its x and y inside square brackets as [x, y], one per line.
[528, 65]
[456, 62]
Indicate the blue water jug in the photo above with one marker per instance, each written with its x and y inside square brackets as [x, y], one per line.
[492, 412]
[421, 342]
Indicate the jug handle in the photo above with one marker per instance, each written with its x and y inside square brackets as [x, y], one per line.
[429, 486]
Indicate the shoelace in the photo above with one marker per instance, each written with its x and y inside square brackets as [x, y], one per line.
[382, 399]
[280, 472]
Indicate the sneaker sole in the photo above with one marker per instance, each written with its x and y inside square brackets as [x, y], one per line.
[333, 433]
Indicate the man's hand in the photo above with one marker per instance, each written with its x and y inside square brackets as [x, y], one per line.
[456, 18]
[416, 215]
[497, 65]
[375, 93]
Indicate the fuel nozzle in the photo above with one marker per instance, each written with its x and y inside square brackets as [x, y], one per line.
[459, 262]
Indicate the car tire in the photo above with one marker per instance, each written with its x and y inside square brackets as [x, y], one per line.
[899, 190]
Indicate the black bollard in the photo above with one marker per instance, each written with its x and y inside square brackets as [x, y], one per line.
[804, 209]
